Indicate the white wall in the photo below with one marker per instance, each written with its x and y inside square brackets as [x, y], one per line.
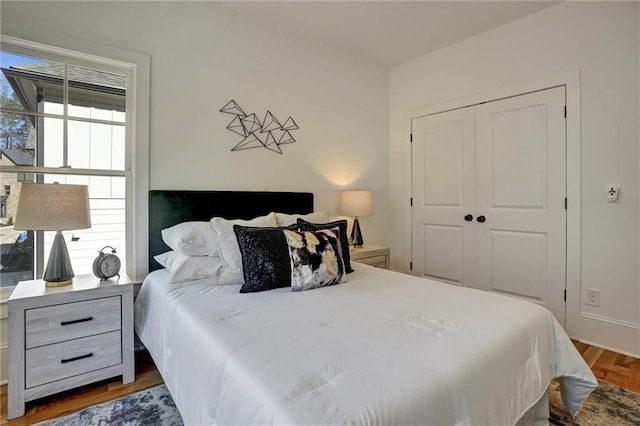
[600, 40]
[202, 56]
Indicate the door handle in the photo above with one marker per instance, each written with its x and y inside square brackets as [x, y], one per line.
[468, 218]
[481, 219]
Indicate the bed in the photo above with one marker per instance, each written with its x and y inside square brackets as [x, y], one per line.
[382, 348]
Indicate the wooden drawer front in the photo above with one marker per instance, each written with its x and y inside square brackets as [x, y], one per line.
[377, 261]
[61, 360]
[58, 323]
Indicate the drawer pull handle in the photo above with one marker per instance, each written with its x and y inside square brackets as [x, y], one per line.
[64, 361]
[63, 323]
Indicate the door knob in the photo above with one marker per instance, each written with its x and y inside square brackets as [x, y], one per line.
[468, 218]
[481, 219]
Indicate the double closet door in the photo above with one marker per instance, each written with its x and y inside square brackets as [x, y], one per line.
[489, 188]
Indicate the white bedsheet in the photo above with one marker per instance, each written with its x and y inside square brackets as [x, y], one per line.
[384, 348]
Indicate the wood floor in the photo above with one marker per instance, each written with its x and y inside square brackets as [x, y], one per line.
[612, 367]
[606, 365]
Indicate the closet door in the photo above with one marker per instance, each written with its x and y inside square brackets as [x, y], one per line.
[443, 162]
[520, 192]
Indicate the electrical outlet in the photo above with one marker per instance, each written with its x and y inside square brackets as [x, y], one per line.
[593, 297]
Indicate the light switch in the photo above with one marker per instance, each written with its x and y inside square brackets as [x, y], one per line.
[613, 193]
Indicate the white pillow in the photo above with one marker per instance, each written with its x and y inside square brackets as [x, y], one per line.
[191, 239]
[228, 245]
[283, 219]
[189, 268]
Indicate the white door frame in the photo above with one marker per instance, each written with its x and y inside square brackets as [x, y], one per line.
[572, 83]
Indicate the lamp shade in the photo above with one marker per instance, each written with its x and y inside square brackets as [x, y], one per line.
[356, 203]
[52, 207]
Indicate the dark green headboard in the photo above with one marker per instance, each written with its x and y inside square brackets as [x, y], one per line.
[169, 207]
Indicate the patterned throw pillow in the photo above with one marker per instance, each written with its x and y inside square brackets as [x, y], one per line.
[304, 225]
[265, 258]
[316, 258]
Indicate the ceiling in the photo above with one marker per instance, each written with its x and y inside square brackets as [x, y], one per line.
[387, 32]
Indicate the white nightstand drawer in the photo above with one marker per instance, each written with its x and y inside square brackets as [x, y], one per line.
[54, 362]
[371, 255]
[58, 323]
[377, 261]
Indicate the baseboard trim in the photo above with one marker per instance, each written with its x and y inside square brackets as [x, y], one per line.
[618, 336]
[611, 321]
[599, 345]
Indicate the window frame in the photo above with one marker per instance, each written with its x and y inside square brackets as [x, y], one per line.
[136, 67]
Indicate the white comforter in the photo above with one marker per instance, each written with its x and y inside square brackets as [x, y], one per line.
[384, 348]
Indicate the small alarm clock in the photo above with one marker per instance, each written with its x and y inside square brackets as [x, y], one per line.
[106, 265]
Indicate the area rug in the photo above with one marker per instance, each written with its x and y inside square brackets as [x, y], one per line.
[152, 406]
[608, 405]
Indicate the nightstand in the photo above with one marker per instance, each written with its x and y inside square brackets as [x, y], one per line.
[371, 255]
[64, 337]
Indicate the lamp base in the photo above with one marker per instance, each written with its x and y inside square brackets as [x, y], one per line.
[58, 272]
[356, 234]
[58, 283]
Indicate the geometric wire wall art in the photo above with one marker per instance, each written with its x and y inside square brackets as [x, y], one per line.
[268, 134]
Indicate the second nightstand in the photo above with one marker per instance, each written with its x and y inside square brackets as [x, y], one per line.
[64, 337]
[371, 255]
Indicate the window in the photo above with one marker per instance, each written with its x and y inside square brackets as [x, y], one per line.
[65, 117]
[25, 177]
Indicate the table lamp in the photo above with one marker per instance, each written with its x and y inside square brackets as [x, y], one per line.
[356, 203]
[54, 207]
